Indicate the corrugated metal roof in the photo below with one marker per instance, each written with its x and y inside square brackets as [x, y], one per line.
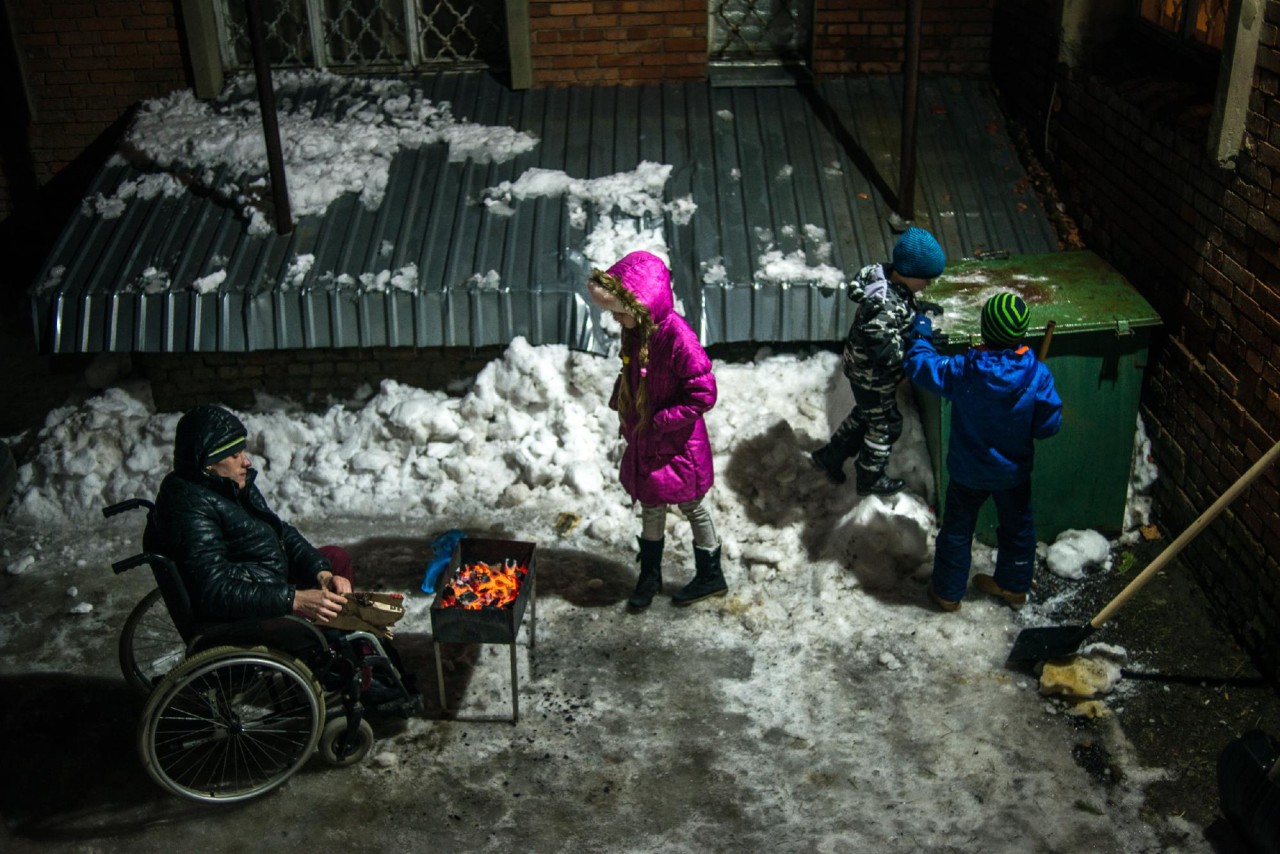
[761, 164]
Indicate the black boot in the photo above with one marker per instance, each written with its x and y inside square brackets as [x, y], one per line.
[650, 581]
[830, 460]
[708, 580]
[878, 483]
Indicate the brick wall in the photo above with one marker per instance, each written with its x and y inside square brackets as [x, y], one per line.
[86, 64]
[867, 37]
[640, 41]
[180, 381]
[1128, 151]
[607, 41]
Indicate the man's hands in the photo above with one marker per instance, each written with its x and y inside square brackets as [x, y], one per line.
[326, 580]
[318, 606]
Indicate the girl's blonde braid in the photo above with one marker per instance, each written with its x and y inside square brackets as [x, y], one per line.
[629, 400]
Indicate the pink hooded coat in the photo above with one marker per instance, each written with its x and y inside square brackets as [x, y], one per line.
[668, 462]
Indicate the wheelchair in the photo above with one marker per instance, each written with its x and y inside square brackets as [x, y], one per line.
[234, 709]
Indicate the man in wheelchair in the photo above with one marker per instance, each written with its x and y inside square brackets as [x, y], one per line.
[240, 562]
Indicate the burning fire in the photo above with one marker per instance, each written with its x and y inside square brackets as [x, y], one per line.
[481, 585]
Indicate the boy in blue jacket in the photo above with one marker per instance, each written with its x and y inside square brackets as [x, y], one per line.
[1002, 399]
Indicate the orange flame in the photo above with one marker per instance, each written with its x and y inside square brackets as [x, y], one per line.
[481, 585]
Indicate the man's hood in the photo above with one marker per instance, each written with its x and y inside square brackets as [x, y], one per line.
[204, 434]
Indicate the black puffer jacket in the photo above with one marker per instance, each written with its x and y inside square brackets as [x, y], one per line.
[239, 559]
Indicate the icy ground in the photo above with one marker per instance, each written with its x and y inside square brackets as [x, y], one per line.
[820, 706]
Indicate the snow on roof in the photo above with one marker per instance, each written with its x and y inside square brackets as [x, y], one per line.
[447, 210]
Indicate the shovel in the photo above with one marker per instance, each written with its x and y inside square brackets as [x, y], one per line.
[1040, 644]
[1044, 343]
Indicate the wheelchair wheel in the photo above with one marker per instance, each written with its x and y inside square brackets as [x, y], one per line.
[333, 730]
[150, 645]
[230, 723]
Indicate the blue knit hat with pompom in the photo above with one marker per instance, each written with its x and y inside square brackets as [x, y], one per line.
[917, 255]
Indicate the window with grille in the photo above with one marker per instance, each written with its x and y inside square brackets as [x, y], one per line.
[759, 42]
[1193, 22]
[368, 35]
[759, 30]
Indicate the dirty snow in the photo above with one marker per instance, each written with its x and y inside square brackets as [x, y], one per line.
[834, 708]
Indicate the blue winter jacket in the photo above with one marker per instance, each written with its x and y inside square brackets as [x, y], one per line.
[1001, 400]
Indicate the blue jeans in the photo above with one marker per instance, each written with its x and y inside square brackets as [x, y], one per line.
[1015, 539]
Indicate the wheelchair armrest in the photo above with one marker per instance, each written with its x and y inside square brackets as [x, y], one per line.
[130, 504]
[130, 562]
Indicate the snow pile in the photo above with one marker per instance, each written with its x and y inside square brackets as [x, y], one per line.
[775, 265]
[219, 145]
[1074, 551]
[534, 427]
[624, 208]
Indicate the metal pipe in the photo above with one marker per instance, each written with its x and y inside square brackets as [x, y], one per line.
[270, 127]
[911, 77]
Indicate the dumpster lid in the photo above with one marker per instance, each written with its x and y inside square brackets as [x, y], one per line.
[1075, 288]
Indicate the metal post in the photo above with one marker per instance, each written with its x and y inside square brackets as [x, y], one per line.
[911, 79]
[518, 50]
[515, 688]
[444, 704]
[270, 127]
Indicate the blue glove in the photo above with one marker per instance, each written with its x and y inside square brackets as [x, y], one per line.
[921, 327]
[442, 549]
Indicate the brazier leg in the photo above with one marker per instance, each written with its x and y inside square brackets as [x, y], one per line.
[444, 706]
[515, 691]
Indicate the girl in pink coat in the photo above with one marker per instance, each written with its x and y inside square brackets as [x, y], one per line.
[662, 391]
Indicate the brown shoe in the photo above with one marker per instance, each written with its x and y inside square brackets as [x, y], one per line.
[987, 584]
[947, 605]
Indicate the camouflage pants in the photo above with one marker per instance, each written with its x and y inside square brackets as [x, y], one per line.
[869, 431]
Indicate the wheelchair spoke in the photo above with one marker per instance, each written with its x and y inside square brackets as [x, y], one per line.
[150, 644]
[237, 726]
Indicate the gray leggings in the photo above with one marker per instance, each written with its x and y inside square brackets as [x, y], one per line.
[653, 522]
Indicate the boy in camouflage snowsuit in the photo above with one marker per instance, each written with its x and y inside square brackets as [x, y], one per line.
[873, 357]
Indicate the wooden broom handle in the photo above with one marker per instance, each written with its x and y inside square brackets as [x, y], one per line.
[1048, 336]
[1188, 535]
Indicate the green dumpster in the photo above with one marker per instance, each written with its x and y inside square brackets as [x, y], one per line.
[1097, 353]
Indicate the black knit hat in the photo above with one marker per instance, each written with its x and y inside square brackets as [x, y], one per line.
[1005, 319]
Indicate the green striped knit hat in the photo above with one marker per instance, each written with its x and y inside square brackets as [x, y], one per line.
[1005, 319]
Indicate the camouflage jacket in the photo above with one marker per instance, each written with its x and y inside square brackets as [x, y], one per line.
[877, 342]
